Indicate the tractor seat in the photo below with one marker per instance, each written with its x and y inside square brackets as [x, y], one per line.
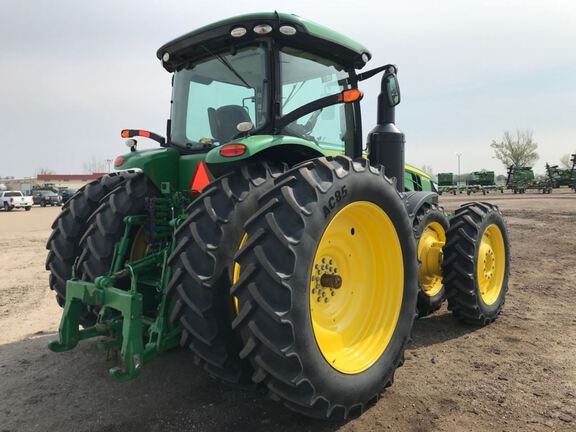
[224, 121]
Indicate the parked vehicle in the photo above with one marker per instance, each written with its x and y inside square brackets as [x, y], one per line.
[46, 197]
[10, 200]
[66, 194]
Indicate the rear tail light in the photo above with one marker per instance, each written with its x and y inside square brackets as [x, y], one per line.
[233, 150]
[119, 161]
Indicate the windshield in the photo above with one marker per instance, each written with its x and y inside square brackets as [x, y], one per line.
[305, 78]
[213, 96]
[13, 194]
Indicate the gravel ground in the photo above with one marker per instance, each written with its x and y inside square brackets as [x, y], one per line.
[517, 374]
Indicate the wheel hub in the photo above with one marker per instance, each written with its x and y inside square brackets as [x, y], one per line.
[326, 280]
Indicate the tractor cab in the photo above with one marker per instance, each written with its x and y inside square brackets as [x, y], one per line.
[251, 76]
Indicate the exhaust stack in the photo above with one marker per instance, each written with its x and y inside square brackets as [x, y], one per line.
[386, 141]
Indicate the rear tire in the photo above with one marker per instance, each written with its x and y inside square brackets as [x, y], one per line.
[106, 225]
[476, 263]
[27, 208]
[202, 266]
[67, 230]
[431, 293]
[275, 288]
[7, 207]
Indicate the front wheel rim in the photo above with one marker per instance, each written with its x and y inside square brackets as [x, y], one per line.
[491, 265]
[430, 255]
[356, 287]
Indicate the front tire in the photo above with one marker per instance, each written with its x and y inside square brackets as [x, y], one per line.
[325, 221]
[202, 266]
[430, 226]
[477, 263]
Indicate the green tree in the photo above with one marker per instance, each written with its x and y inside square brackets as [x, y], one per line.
[516, 149]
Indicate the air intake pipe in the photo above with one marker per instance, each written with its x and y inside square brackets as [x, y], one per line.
[386, 141]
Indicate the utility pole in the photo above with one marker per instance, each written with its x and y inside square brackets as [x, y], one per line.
[109, 161]
[459, 155]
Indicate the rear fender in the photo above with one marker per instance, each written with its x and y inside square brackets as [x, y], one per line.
[272, 148]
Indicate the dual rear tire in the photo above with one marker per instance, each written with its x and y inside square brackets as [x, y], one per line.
[327, 288]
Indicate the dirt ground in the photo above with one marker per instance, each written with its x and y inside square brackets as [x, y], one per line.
[517, 374]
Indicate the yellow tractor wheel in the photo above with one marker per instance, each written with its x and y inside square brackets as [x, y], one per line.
[327, 287]
[430, 226]
[477, 263]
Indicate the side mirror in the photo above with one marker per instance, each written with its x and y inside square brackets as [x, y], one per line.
[392, 89]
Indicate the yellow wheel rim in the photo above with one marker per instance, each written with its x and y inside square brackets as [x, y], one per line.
[430, 255]
[236, 272]
[354, 323]
[491, 264]
[140, 245]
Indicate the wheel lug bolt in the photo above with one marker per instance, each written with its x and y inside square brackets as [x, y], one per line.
[319, 299]
[331, 262]
[323, 260]
[326, 300]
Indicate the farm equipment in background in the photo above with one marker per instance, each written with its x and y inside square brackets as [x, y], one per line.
[519, 178]
[446, 183]
[573, 172]
[565, 177]
[482, 181]
[260, 238]
[549, 181]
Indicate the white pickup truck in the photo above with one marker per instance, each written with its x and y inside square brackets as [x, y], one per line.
[15, 199]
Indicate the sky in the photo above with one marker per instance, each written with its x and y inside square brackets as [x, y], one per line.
[74, 73]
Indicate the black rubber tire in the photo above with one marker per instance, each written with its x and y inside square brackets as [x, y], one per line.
[7, 207]
[106, 225]
[69, 227]
[273, 290]
[27, 208]
[42, 203]
[427, 214]
[202, 266]
[460, 263]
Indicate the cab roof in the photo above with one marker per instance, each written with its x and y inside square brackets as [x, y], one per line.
[216, 37]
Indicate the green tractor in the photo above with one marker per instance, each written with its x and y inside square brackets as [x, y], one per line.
[258, 235]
